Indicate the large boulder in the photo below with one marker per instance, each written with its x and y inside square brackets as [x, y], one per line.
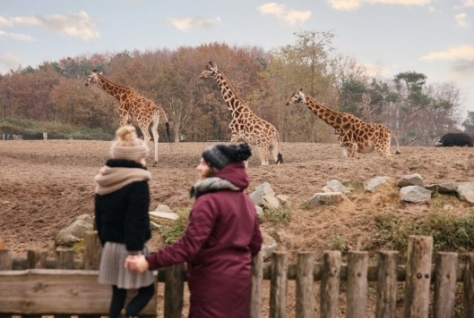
[74, 231]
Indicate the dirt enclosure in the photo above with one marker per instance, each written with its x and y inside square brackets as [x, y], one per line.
[44, 184]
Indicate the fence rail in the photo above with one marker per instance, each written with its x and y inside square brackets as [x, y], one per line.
[36, 285]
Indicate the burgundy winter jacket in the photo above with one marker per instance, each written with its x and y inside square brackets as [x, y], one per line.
[222, 236]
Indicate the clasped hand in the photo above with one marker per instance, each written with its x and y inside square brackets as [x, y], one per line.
[136, 263]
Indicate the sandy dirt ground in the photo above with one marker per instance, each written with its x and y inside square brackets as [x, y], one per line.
[44, 184]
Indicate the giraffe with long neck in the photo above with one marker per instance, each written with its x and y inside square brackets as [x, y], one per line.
[355, 135]
[246, 126]
[135, 107]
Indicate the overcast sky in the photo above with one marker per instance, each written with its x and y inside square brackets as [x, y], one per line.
[434, 37]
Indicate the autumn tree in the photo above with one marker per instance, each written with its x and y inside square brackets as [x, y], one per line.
[307, 65]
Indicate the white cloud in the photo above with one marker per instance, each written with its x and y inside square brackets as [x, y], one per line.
[76, 25]
[16, 36]
[463, 52]
[9, 62]
[4, 21]
[290, 16]
[356, 4]
[468, 3]
[185, 24]
[461, 20]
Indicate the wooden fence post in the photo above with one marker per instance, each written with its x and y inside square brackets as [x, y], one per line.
[36, 259]
[330, 281]
[92, 251]
[418, 277]
[174, 291]
[445, 285]
[6, 261]
[257, 279]
[469, 286]
[278, 285]
[357, 267]
[65, 258]
[386, 300]
[304, 285]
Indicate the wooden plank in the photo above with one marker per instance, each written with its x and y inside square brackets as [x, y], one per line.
[36, 258]
[56, 292]
[445, 285]
[469, 286]
[92, 250]
[304, 285]
[65, 258]
[418, 277]
[278, 285]
[255, 310]
[358, 262]
[174, 291]
[386, 299]
[6, 260]
[330, 281]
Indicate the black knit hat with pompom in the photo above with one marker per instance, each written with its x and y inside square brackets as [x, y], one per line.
[220, 155]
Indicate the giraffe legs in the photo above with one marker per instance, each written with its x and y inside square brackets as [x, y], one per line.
[349, 145]
[264, 152]
[156, 136]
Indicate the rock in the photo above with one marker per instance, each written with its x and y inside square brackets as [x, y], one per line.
[415, 194]
[269, 245]
[163, 218]
[319, 199]
[411, 180]
[163, 208]
[335, 186]
[264, 196]
[75, 231]
[466, 192]
[375, 183]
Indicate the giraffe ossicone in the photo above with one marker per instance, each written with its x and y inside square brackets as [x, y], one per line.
[133, 106]
[246, 126]
[355, 135]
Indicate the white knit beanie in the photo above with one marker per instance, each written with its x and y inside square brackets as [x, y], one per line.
[132, 148]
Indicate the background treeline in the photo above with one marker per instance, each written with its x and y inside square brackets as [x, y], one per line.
[54, 92]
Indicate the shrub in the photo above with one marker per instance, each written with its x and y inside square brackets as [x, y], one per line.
[172, 233]
[277, 216]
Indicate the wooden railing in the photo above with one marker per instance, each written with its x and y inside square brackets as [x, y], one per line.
[36, 285]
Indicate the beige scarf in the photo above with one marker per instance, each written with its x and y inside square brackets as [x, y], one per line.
[110, 179]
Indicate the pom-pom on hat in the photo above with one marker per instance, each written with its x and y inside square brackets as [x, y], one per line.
[220, 155]
[127, 145]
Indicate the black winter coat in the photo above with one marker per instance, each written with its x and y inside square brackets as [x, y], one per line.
[122, 216]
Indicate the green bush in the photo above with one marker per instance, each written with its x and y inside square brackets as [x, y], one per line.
[33, 130]
[276, 216]
[172, 233]
[450, 233]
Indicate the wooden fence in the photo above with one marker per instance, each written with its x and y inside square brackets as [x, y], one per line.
[36, 285]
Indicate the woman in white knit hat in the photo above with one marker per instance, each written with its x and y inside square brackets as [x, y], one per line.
[122, 200]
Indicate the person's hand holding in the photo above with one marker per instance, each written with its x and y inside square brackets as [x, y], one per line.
[136, 263]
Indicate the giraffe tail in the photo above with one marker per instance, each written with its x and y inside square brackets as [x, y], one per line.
[397, 152]
[280, 159]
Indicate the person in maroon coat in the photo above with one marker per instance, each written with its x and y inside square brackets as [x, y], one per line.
[221, 237]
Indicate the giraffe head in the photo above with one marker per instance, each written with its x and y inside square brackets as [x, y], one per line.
[297, 97]
[210, 71]
[93, 78]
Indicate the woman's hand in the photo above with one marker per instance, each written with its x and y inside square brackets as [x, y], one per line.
[136, 263]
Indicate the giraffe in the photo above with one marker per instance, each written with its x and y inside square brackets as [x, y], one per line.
[246, 126]
[133, 106]
[355, 135]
